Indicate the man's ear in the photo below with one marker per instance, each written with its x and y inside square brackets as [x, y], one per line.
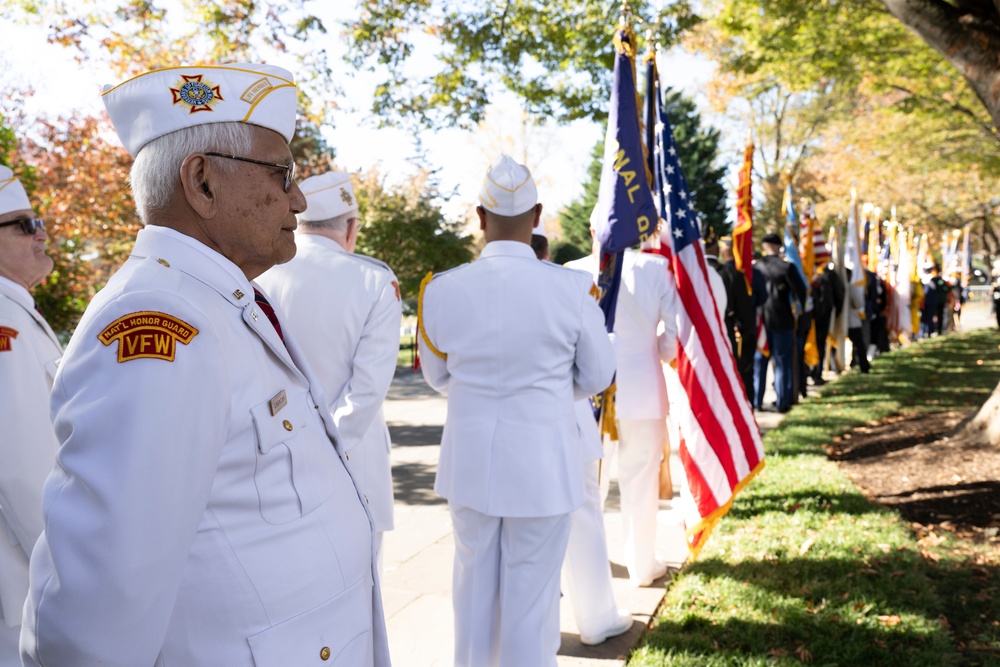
[481, 212]
[538, 214]
[198, 180]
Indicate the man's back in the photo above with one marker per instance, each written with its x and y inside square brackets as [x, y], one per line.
[646, 297]
[523, 339]
[783, 284]
[344, 310]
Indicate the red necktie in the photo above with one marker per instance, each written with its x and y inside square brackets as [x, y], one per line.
[258, 296]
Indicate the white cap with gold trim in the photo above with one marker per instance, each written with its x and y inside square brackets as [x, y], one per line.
[508, 188]
[162, 101]
[327, 195]
[12, 194]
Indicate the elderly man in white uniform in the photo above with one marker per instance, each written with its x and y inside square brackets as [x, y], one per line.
[512, 341]
[200, 511]
[344, 310]
[646, 300]
[29, 353]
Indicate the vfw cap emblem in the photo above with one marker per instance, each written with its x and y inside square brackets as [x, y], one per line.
[198, 94]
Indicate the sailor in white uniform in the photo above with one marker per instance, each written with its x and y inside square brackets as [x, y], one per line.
[344, 310]
[646, 327]
[29, 354]
[512, 342]
[200, 512]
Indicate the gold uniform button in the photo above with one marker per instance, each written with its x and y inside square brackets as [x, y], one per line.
[163, 262]
[324, 653]
[287, 424]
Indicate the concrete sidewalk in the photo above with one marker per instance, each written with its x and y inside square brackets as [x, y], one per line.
[416, 583]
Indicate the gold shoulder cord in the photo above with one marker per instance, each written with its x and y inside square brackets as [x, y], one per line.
[420, 317]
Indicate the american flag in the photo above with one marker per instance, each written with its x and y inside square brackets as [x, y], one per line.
[720, 448]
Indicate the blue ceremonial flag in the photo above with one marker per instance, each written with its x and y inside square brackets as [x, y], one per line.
[788, 207]
[625, 214]
[625, 211]
[792, 250]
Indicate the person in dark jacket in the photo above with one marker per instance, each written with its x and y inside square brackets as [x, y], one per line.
[828, 301]
[741, 315]
[932, 312]
[878, 302]
[784, 288]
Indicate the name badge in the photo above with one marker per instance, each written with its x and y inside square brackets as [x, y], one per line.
[278, 401]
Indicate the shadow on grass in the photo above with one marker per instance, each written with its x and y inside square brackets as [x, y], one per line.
[977, 502]
[844, 612]
[749, 505]
[827, 640]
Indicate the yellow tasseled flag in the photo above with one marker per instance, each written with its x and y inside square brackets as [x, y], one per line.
[811, 351]
[609, 425]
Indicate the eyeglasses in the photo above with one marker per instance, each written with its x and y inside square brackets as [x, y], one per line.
[28, 225]
[289, 169]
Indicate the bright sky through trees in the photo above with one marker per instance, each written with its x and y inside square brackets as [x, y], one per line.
[558, 155]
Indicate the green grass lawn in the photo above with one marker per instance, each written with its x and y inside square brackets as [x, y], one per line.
[805, 570]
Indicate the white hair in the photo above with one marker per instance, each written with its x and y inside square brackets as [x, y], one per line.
[337, 223]
[156, 170]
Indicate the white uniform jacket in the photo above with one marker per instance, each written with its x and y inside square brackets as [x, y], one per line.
[344, 311]
[523, 339]
[647, 296]
[200, 512]
[29, 353]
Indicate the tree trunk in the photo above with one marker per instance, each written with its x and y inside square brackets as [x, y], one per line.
[969, 40]
[985, 426]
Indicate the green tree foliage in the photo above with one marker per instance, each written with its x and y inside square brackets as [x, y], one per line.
[698, 149]
[405, 228]
[78, 183]
[554, 54]
[574, 219]
[845, 85]
[135, 36]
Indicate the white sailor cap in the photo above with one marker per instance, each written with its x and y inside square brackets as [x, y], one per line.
[508, 188]
[12, 194]
[327, 195]
[162, 101]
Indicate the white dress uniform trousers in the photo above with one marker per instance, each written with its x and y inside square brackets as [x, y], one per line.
[587, 569]
[29, 353]
[344, 311]
[200, 512]
[646, 299]
[513, 342]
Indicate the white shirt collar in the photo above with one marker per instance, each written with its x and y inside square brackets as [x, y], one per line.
[194, 243]
[508, 249]
[18, 293]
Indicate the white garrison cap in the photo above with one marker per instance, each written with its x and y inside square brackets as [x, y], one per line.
[12, 194]
[539, 230]
[508, 188]
[327, 195]
[162, 101]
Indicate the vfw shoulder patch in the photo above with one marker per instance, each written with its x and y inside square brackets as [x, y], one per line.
[6, 336]
[395, 287]
[147, 335]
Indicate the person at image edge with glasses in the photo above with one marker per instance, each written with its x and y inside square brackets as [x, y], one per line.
[29, 353]
[201, 512]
